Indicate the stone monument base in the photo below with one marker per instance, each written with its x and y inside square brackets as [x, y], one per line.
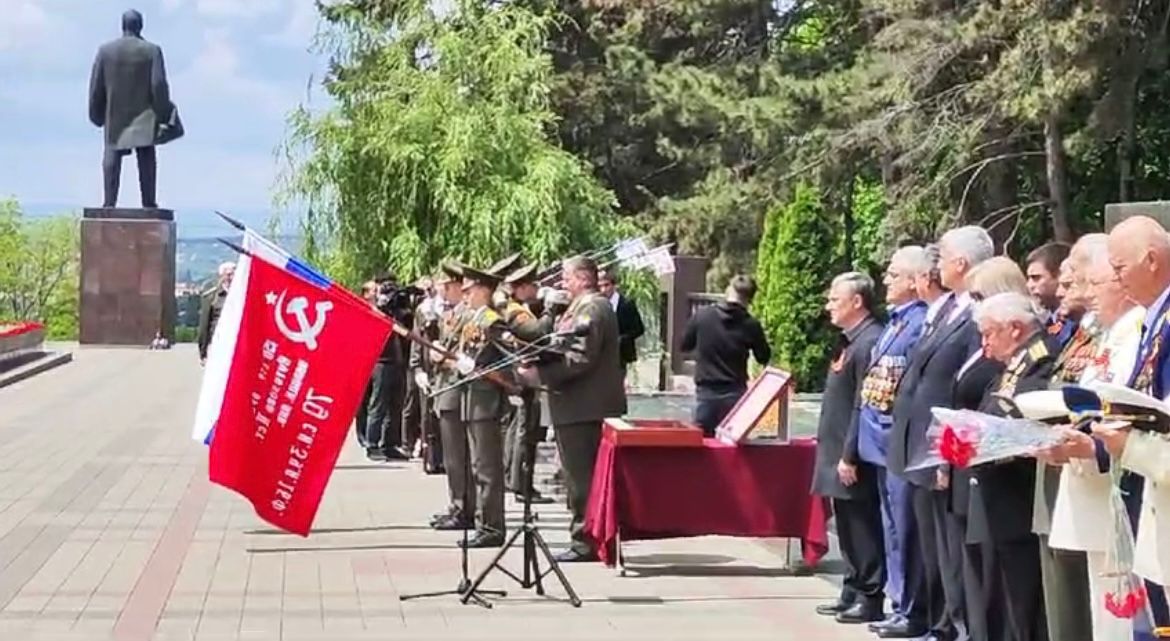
[127, 276]
[1117, 212]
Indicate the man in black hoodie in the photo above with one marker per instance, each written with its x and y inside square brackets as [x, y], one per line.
[720, 337]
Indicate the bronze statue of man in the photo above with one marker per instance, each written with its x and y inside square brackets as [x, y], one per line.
[129, 96]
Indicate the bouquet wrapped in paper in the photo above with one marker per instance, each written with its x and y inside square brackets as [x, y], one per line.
[1125, 592]
[963, 438]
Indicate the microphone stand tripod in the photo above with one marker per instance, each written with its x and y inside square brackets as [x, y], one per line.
[533, 540]
[464, 589]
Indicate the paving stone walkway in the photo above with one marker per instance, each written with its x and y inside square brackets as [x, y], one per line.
[110, 530]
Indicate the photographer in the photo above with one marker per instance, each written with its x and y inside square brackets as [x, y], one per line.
[387, 385]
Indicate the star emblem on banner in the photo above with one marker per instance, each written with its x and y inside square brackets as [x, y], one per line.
[270, 298]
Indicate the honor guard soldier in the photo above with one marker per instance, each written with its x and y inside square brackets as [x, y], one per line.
[484, 403]
[448, 407]
[524, 431]
[502, 268]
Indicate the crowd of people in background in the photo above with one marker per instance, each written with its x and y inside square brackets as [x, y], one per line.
[1013, 550]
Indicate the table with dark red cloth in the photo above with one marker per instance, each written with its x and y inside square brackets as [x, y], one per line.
[750, 490]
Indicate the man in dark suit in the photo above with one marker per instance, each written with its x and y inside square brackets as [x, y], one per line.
[129, 96]
[1000, 516]
[210, 307]
[585, 387]
[629, 319]
[1042, 267]
[840, 474]
[929, 382]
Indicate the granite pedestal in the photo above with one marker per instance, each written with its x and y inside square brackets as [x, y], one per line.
[1117, 212]
[127, 276]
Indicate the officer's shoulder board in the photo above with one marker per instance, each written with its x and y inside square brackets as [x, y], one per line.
[1037, 351]
[490, 316]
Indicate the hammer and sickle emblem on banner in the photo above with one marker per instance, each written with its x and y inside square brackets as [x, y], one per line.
[298, 307]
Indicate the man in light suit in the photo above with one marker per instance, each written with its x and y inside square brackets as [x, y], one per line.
[1084, 489]
[1066, 588]
[886, 367]
[929, 382]
[1139, 251]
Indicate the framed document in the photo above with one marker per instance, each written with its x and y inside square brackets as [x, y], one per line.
[762, 411]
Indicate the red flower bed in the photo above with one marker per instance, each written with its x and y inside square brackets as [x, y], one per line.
[8, 330]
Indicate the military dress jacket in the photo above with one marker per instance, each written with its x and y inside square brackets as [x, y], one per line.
[451, 322]
[479, 335]
[587, 385]
[1001, 500]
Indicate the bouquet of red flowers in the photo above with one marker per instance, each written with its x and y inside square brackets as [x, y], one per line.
[1125, 596]
[963, 438]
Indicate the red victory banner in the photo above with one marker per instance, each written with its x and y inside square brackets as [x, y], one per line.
[302, 358]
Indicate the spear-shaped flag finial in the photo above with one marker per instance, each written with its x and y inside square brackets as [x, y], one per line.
[234, 246]
[231, 221]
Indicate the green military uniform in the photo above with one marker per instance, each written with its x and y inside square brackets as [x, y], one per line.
[524, 431]
[427, 319]
[484, 404]
[210, 306]
[448, 408]
[585, 388]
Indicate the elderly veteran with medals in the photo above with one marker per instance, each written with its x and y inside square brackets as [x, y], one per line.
[1000, 516]
[1139, 251]
[1083, 494]
[886, 366]
[1066, 587]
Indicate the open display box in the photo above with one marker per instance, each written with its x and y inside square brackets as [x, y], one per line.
[762, 413]
[639, 432]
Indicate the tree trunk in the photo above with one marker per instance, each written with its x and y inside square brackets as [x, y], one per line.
[1125, 152]
[1057, 178]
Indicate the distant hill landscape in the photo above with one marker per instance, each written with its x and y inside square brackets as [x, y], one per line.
[197, 259]
[199, 253]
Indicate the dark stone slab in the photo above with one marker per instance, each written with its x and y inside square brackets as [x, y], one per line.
[127, 279]
[1117, 212]
[689, 277]
[127, 213]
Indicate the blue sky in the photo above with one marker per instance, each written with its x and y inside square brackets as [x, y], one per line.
[236, 69]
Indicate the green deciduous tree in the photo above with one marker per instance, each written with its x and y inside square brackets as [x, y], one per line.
[439, 144]
[38, 270]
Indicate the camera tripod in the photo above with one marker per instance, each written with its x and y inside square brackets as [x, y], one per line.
[464, 589]
[532, 575]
